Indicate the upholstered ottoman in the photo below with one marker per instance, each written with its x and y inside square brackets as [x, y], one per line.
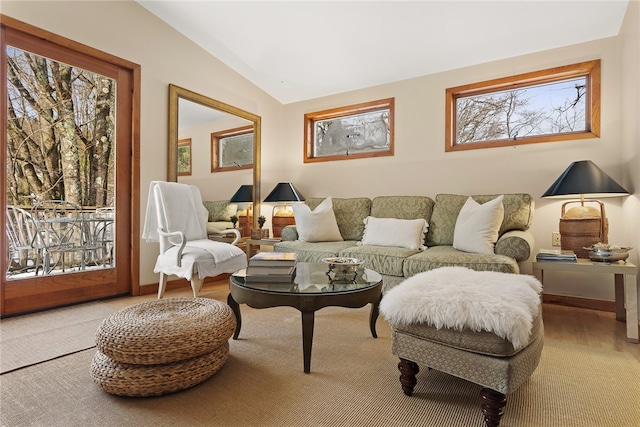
[484, 327]
[162, 346]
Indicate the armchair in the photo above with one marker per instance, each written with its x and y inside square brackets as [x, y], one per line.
[176, 218]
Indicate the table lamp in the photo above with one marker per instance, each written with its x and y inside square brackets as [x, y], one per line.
[282, 193]
[583, 226]
[244, 195]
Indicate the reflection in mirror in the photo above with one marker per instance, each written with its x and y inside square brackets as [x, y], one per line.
[232, 149]
[207, 136]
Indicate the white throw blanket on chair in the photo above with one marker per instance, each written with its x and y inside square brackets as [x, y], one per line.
[458, 298]
[182, 211]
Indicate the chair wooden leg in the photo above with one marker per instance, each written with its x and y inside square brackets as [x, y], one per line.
[408, 371]
[493, 403]
[196, 285]
[162, 284]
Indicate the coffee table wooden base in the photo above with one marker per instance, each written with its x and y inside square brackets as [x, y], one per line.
[307, 305]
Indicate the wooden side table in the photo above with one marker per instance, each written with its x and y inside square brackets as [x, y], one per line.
[626, 286]
[258, 242]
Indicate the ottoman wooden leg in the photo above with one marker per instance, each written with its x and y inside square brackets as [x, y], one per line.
[408, 371]
[493, 403]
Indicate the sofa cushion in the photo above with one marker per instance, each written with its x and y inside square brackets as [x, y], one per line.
[477, 226]
[220, 210]
[442, 256]
[404, 233]
[385, 260]
[313, 252]
[403, 207]
[349, 214]
[518, 215]
[317, 225]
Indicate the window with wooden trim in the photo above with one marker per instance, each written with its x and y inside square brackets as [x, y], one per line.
[352, 132]
[556, 104]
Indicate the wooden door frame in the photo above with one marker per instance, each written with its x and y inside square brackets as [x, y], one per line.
[129, 205]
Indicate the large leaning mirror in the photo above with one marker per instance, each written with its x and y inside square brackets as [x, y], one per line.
[205, 130]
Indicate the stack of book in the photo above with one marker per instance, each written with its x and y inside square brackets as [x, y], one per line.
[277, 267]
[559, 255]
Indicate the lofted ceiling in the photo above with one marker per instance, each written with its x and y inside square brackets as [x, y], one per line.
[299, 50]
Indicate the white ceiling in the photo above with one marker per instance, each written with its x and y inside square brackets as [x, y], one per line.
[298, 50]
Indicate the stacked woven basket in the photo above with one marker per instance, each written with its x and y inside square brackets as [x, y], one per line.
[162, 346]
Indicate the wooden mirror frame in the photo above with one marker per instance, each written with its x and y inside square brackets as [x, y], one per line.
[175, 94]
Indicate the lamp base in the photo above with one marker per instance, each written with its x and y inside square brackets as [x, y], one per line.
[280, 222]
[577, 234]
[583, 226]
[244, 224]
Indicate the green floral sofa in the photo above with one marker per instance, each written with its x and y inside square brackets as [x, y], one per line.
[220, 213]
[514, 244]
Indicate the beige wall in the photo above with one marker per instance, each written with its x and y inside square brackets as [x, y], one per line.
[419, 166]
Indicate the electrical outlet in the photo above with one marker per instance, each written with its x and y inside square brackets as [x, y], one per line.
[555, 239]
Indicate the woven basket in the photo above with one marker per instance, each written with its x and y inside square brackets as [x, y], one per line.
[125, 379]
[165, 331]
[578, 233]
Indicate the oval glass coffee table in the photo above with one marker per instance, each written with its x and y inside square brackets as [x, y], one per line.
[313, 288]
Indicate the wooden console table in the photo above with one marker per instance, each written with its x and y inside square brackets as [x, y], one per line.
[626, 286]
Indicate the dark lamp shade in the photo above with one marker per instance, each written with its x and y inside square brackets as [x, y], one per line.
[243, 195]
[284, 192]
[585, 179]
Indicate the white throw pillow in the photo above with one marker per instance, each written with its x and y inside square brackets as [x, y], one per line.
[318, 225]
[403, 233]
[477, 226]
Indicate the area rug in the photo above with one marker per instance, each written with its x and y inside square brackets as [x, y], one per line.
[33, 338]
[353, 382]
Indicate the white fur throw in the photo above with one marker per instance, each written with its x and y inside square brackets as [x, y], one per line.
[457, 298]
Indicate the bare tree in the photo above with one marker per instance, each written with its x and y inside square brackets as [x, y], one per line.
[60, 132]
[502, 115]
[570, 115]
[514, 114]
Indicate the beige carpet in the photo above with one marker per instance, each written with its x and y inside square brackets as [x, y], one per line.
[353, 382]
[33, 338]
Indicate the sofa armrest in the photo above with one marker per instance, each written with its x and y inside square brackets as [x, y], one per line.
[290, 232]
[516, 244]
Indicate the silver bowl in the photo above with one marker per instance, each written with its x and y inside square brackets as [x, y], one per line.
[608, 254]
[343, 265]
